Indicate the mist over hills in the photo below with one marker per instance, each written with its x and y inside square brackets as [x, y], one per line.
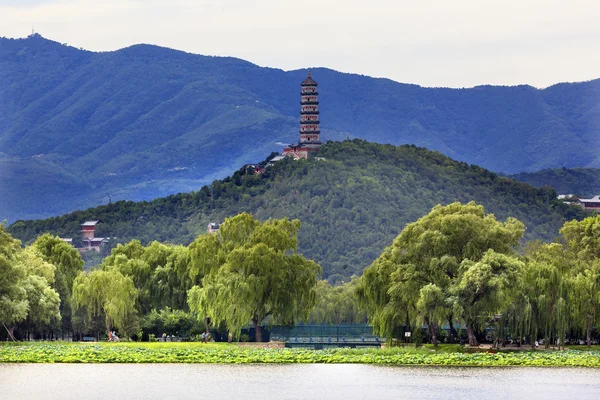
[77, 126]
[351, 205]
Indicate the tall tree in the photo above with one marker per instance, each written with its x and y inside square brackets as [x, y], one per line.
[583, 240]
[434, 250]
[483, 288]
[68, 264]
[108, 293]
[43, 301]
[13, 297]
[547, 287]
[585, 298]
[251, 271]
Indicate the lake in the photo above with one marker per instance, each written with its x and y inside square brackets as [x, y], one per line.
[295, 381]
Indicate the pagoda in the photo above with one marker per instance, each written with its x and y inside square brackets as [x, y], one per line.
[309, 121]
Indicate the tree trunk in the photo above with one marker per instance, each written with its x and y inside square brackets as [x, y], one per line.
[257, 330]
[207, 325]
[433, 334]
[471, 334]
[229, 337]
[453, 333]
[108, 327]
[588, 333]
[11, 332]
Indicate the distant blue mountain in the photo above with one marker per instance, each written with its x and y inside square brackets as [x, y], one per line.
[78, 127]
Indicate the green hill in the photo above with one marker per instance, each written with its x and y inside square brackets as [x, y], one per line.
[351, 204]
[584, 182]
[146, 121]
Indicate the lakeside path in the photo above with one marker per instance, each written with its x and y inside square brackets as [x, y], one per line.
[223, 353]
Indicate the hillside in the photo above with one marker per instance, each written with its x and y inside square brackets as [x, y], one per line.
[77, 126]
[352, 204]
[583, 182]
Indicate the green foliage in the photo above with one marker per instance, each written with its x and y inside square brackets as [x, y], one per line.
[159, 273]
[68, 264]
[13, 301]
[484, 287]
[226, 354]
[43, 301]
[251, 271]
[583, 241]
[171, 322]
[108, 293]
[352, 204]
[337, 304]
[453, 256]
[27, 299]
[145, 121]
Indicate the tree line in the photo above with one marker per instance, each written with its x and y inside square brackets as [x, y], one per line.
[249, 272]
[458, 264]
[456, 269]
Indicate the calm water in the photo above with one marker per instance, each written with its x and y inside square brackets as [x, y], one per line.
[193, 381]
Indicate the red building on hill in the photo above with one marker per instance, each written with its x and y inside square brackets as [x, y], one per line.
[309, 121]
[90, 241]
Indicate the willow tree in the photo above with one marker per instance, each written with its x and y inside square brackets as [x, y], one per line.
[159, 273]
[483, 287]
[433, 309]
[68, 263]
[583, 240]
[108, 293]
[25, 292]
[585, 298]
[547, 291]
[250, 271]
[431, 251]
[13, 300]
[337, 304]
[43, 301]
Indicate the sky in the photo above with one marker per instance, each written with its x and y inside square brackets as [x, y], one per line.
[449, 43]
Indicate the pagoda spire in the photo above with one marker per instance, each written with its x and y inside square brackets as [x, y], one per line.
[309, 121]
[309, 111]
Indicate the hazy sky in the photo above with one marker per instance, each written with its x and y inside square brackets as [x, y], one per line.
[453, 43]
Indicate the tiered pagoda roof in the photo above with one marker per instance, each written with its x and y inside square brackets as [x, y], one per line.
[309, 81]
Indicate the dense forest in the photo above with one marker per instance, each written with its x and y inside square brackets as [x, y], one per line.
[583, 182]
[351, 201]
[79, 127]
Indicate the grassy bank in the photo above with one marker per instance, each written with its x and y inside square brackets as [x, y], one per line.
[63, 352]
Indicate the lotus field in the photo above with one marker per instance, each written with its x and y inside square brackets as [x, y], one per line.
[67, 352]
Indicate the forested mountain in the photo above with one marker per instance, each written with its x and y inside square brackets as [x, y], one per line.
[351, 204]
[77, 126]
[583, 182]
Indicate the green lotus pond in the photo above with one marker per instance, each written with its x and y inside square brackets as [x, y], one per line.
[67, 352]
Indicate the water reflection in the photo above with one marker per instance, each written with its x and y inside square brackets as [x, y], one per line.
[314, 381]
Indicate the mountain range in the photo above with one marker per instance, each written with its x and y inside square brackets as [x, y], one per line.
[81, 128]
